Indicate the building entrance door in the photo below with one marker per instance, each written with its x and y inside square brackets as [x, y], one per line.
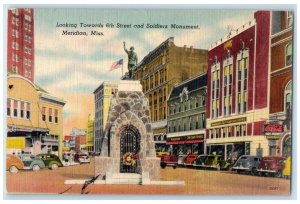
[129, 149]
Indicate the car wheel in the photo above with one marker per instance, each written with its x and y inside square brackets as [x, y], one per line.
[13, 169]
[278, 174]
[163, 165]
[174, 167]
[36, 167]
[54, 166]
[238, 171]
[253, 171]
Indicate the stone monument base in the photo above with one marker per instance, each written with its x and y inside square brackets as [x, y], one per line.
[108, 169]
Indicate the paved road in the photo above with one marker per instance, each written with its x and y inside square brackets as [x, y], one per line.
[197, 182]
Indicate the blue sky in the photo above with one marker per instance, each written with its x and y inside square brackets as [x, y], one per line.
[72, 67]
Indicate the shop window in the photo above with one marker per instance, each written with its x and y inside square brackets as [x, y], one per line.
[8, 104]
[288, 55]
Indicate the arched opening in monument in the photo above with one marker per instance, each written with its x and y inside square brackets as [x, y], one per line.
[129, 149]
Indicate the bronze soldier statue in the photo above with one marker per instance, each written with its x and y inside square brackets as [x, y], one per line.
[132, 59]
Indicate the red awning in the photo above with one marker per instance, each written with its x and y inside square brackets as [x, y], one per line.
[184, 142]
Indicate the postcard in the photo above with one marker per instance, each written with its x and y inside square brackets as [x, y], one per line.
[149, 101]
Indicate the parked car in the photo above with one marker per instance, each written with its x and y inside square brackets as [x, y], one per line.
[271, 165]
[247, 163]
[199, 162]
[159, 154]
[189, 160]
[13, 163]
[167, 160]
[51, 161]
[287, 169]
[181, 159]
[82, 158]
[216, 161]
[32, 162]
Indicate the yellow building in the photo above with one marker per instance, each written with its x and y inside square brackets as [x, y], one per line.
[159, 71]
[34, 118]
[90, 135]
[102, 95]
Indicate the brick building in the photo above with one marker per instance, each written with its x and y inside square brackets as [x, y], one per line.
[186, 116]
[238, 89]
[20, 42]
[281, 83]
[159, 71]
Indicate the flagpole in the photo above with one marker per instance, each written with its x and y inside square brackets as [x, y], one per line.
[122, 69]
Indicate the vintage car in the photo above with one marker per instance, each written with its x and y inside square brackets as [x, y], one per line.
[13, 163]
[189, 160]
[247, 163]
[51, 161]
[32, 162]
[82, 158]
[159, 154]
[216, 162]
[271, 166]
[167, 160]
[199, 162]
[286, 173]
[181, 159]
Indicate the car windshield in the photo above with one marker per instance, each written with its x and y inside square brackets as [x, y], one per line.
[268, 159]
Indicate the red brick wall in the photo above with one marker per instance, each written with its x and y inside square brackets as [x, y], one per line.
[262, 58]
[20, 40]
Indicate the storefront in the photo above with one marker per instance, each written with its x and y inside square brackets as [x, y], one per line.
[190, 144]
[230, 151]
[31, 139]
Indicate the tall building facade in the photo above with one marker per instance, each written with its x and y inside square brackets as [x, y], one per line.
[34, 118]
[187, 117]
[102, 98]
[90, 134]
[20, 42]
[238, 90]
[73, 134]
[278, 128]
[159, 71]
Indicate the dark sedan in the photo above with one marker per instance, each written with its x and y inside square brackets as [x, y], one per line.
[247, 163]
[51, 161]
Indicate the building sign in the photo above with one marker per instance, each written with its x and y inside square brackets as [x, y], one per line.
[273, 128]
[225, 122]
[185, 139]
[15, 143]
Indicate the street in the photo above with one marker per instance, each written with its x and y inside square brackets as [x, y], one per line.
[197, 182]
